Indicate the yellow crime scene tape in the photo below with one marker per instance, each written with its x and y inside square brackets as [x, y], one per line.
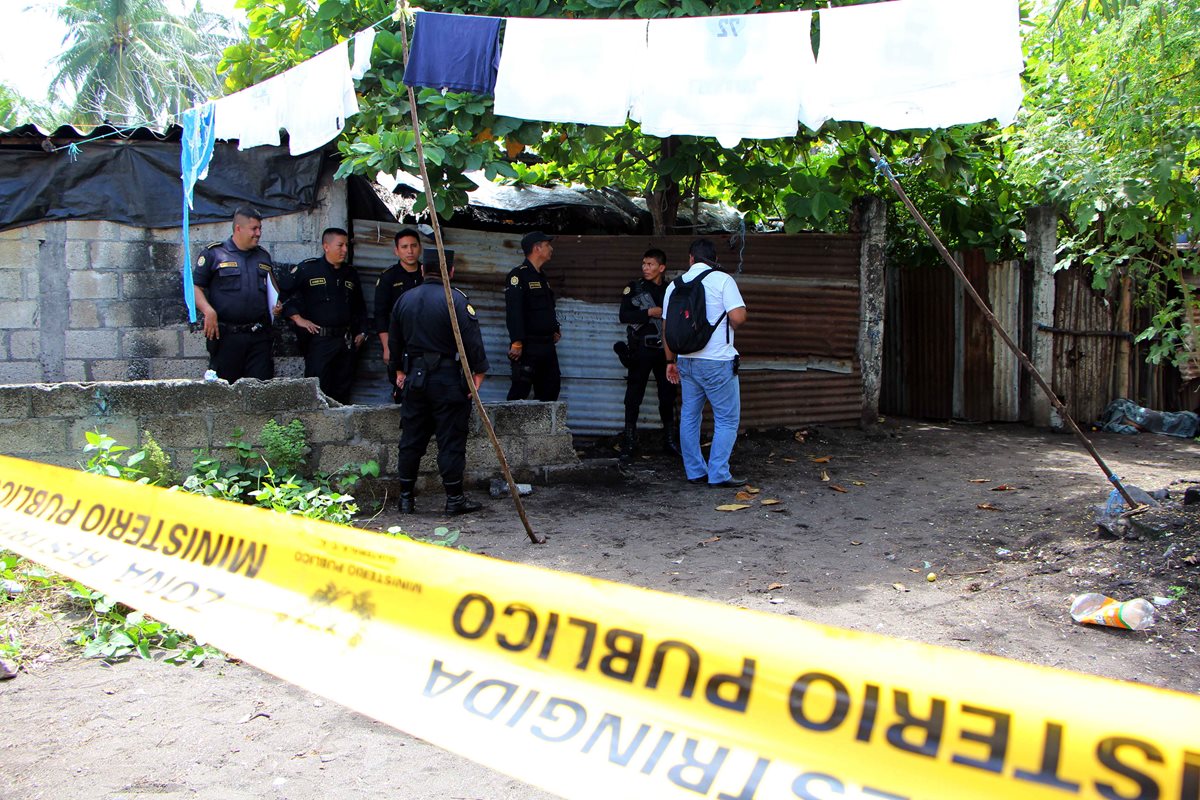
[591, 689]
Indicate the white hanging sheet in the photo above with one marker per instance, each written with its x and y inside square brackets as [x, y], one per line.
[922, 63]
[570, 70]
[252, 115]
[363, 42]
[730, 77]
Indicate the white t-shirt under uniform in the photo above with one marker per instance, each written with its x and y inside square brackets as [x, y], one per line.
[720, 295]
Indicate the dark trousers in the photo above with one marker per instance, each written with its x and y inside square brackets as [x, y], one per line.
[242, 355]
[330, 359]
[644, 361]
[536, 369]
[442, 408]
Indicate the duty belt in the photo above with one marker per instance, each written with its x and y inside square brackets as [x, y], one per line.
[333, 330]
[253, 327]
[650, 340]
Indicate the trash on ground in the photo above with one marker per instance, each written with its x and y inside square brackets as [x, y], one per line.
[499, 488]
[824, 476]
[931, 577]
[1126, 416]
[1097, 609]
[1162, 601]
[900, 587]
[979, 480]
[1004, 487]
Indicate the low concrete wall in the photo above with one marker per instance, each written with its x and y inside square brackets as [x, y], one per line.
[48, 423]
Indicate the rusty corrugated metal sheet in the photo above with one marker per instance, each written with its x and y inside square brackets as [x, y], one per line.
[1004, 287]
[919, 343]
[798, 346]
[1083, 364]
[975, 372]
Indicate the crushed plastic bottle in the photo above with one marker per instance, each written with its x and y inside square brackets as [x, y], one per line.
[210, 376]
[1096, 609]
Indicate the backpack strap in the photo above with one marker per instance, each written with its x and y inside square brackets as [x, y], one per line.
[724, 314]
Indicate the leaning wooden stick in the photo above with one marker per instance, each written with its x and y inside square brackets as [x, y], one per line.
[462, 355]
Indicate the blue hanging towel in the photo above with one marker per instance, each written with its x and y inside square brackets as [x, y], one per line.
[195, 154]
[455, 52]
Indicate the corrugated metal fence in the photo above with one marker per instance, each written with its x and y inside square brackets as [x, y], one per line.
[798, 346]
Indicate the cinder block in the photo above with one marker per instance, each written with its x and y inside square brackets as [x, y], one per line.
[177, 368]
[18, 314]
[70, 400]
[152, 285]
[225, 428]
[558, 413]
[15, 401]
[172, 397]
[78, 254]
[180, 432]
[18, 254]
[267, 397]
[91, 285]
[327, 426]
[129, 233]
[194, 344]
[10, 284]
[332, 457]
[33, 436]
[123, 429]
[91, 344]
[83, 229]
[294, 252]
[14, 233]
[107, 369]
[24, 345]
[83, 314]
[378, 423]
[289, 367]
[150, 343]
[32, 284]
[524, 417]
[544, 450]
[75, 370]
[20, 372]
[114, 254]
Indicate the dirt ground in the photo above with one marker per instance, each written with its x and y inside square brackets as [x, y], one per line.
[917, 498]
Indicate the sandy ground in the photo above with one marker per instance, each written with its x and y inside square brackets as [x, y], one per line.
[1006, 575]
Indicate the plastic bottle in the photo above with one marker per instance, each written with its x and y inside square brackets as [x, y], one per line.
[210, 376]
[1096, 609]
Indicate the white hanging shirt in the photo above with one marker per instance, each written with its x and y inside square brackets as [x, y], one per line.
[729, 77]
[570, 70]
[252, 115]
[321, 96]
[363, 42]
[922, 63]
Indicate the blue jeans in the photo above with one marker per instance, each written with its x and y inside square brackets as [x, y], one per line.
[700, 380]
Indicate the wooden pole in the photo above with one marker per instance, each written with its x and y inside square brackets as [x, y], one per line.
[886, 171]
[462, 354]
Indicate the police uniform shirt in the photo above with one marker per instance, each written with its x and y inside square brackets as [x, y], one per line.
[420, 323]
[529, 304]
[235, 282]
[394, 282]
[632, 314]
[331, 298]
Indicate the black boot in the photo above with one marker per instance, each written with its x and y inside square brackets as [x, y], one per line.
[671, 441]
[457, 502]
[407, 504]
[628, 445]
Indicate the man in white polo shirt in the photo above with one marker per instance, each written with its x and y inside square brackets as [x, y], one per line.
[710, 373]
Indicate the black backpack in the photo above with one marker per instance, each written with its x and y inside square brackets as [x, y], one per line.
[687, 326]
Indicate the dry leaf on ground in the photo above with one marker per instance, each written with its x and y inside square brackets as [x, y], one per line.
[859, 483]
[900, 587]
[987, 507]
[820, 459]
[732, 507]
[743, 496]
[771, 501]
[789, 460]
[752, 489]
[711, 539]
[837, 488]
[824, 475]
[1004, 487]
[979, 480]
[775, 586]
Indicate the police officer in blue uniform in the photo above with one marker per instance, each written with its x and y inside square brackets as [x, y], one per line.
[397, 279]
[435, 398]
[231, 279]
[533, 329]
[325, 301]
[642, 353]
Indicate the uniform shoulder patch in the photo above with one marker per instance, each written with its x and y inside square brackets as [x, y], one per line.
[201, 261]
[470, 309]
[627, 290]
[514, 280]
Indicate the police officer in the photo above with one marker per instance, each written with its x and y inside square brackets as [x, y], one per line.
[397, 279]
[326, 301]
[231, 279]
[533, 329]
[435, 399]
[642, 353]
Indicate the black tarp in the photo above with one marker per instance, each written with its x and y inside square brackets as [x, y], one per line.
[136, 182]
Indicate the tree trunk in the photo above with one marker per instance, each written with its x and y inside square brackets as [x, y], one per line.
[663, 200]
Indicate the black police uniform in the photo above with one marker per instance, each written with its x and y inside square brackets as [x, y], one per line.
[645, 355]
[529, 309]
[332, 299]
[394, 282]
[435, 399]
[235, 283]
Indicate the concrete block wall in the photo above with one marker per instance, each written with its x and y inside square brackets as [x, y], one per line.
[48, 423]
[84, 300]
